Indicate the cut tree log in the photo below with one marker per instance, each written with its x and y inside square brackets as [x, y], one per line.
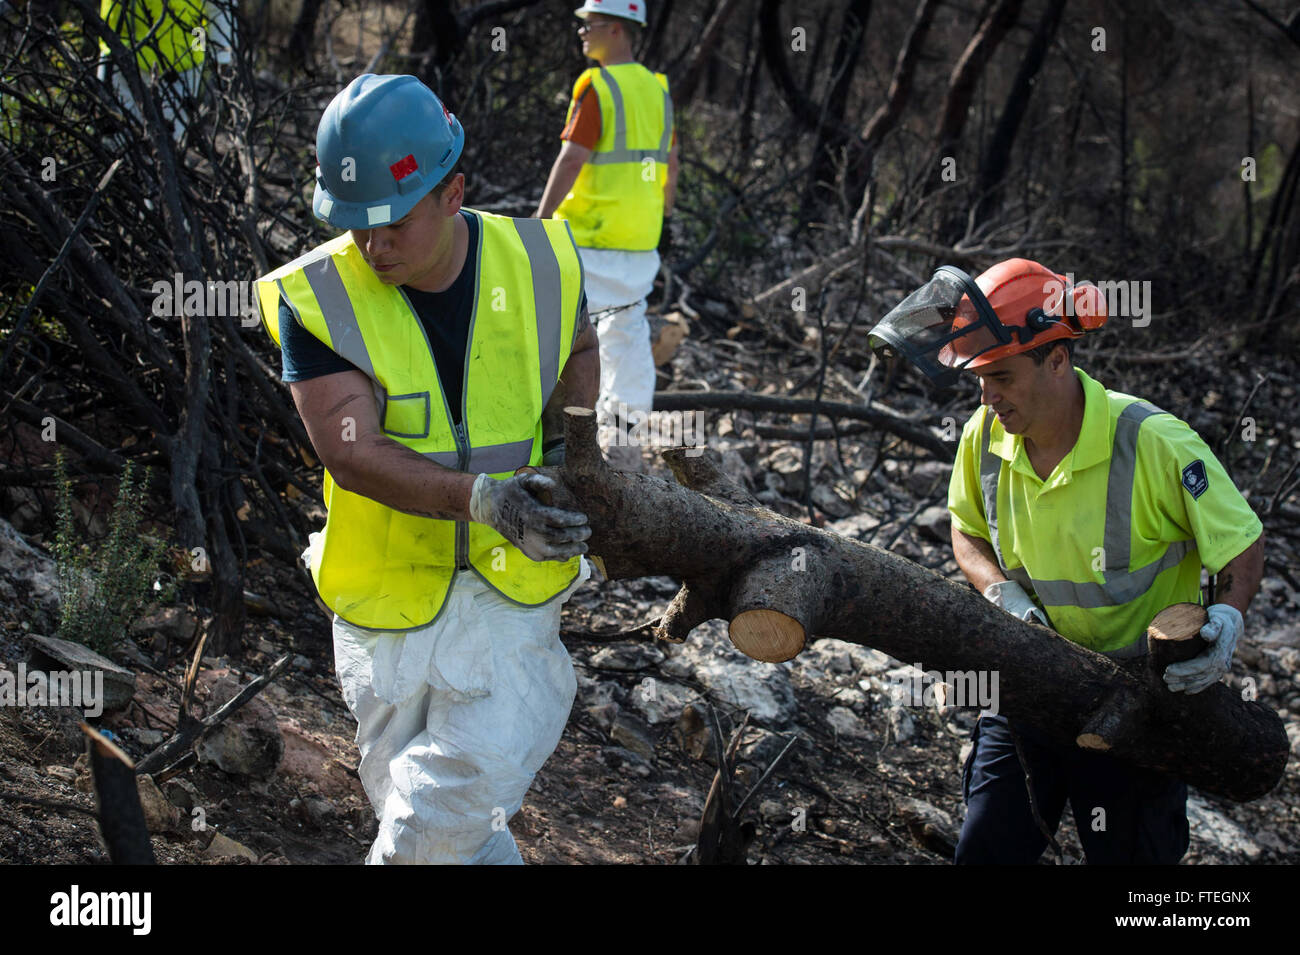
[781, 583]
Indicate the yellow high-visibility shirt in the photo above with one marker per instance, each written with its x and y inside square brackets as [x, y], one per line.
[1118, 531]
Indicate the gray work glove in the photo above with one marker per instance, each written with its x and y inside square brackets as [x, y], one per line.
[1221, 632]
[512, 508]
[1011, 597]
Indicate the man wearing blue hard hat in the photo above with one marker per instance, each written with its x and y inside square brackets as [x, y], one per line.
[431, 350]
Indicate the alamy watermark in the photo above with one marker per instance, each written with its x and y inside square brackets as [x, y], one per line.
[917, 687]
[660, 429]
[83, 689]
[1123, 299]
[235, 298]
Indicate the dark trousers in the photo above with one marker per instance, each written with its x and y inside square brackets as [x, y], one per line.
[1125, 815]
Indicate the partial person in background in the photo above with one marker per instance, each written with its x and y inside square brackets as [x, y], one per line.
[188, 31]
[614, 181]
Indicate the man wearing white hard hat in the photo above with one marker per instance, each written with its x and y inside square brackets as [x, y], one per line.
[430, 351]
[614, 182]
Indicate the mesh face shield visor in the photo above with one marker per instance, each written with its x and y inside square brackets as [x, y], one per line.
[941, 327]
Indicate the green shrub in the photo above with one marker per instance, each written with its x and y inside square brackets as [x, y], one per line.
[102, 588]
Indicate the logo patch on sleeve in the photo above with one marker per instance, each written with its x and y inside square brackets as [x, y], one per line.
[1194, 479]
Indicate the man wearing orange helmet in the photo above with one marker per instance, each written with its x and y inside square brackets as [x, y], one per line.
[1086, 510]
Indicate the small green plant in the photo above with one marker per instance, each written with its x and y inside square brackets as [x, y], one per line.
[102, 588]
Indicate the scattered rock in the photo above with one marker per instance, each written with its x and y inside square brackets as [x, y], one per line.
[928, 825]
[64, 774]
[247, 744]
[631, 733]
[901, 725]
[313, 760]
[829, 657]
[846, 723]
[688, 833]
[936, 523]
[859, 527]
[627, 657]
[928, 478]
[150, 738]
[1287, 635]
[603, 715]
[223, 847]
[20, 561]
[617, 756]
[51, 653]
[824, 496]
[660, 701]
[319, 811]
[159, 814]
[762, 689]
[760, 746]
[593, 692]
[171, 622]
[182, 794]
[1213, 829]
[692, 731]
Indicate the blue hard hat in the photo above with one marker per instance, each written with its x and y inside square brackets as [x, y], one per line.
[382, 144]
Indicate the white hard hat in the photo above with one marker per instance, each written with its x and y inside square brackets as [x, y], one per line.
[633, 10]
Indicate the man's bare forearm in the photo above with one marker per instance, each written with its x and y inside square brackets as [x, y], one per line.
[405, 480]
[579, 384]
[564, 173]
[977, 561]
[670, 187]
[1238, 581]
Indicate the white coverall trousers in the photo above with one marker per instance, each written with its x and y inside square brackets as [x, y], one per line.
[454, 720]
[627, 369]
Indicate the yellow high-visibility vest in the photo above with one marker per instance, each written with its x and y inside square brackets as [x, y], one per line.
[380, 568]
[617, 201]
[174, 46]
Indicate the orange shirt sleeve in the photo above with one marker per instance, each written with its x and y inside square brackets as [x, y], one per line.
[583, 126]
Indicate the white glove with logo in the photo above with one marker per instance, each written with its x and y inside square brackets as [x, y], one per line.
[1011, 597]
[1221, 631]
[512, 508]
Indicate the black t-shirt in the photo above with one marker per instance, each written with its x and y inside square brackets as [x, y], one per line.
[445, 316]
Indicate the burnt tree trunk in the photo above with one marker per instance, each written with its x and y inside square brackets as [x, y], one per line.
[997, 155]
[780, 583]
[684, 89]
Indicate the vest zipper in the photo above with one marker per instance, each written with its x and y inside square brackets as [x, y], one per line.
[458, 433]
[462, 527]
[462, 430]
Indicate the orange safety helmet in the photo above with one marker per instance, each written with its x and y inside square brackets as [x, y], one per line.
[955, 322]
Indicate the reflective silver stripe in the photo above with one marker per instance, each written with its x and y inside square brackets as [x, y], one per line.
[488, 459]
[620, 152]
[990, 470]
[547, 299]
[448, 459]
[494, 458]
[340, 318]
[1120, 583]
[1119, 485]
[628, 155]
[666, 139]
[620, 116]
[1120, 586]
